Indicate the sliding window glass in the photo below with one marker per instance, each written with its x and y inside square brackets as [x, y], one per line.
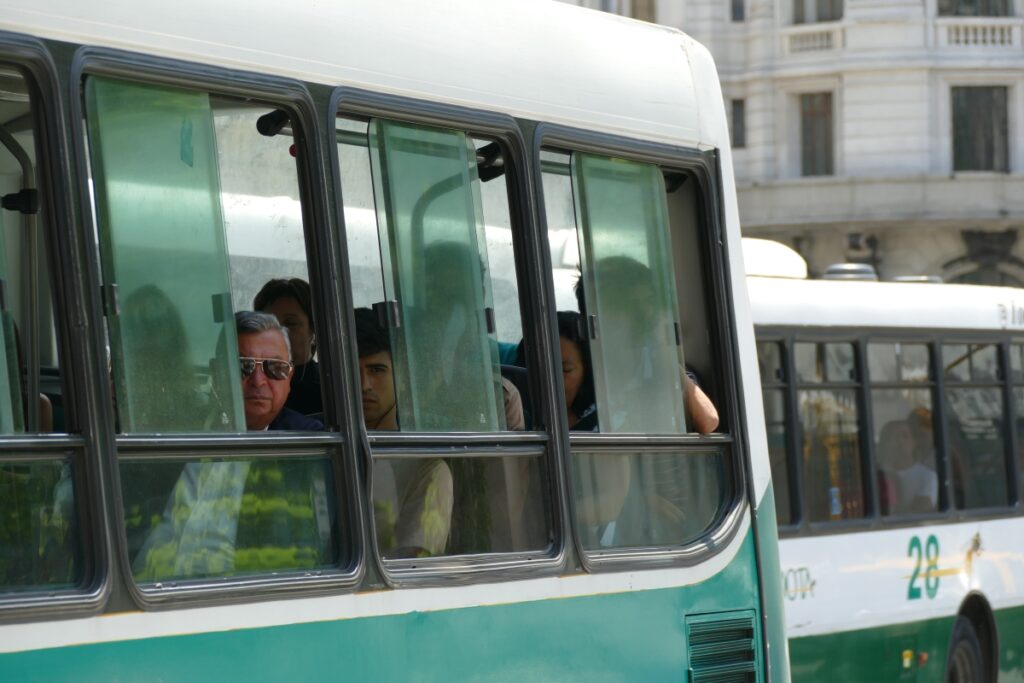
[627, 258]
[41, 482]
[771, 361]
[1017, 378]
[438, 331]
[906, 466]
[830, 422]
[199, 222]
[975, 422]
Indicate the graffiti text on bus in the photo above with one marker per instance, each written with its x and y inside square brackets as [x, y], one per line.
[798, 583]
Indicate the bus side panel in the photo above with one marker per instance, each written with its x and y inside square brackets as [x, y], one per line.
[884, 654]
[1010, 626]
[623, 636]
[771, 585]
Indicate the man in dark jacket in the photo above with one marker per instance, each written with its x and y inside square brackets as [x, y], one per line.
[264, 353]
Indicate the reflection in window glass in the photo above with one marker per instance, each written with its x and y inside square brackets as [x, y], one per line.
[39, 540]
[164, 258]
[769, 357]
[647, 499]
[956, 362]
[260, 201]
[775, 422]
[1017, 362]
[629, 287]
[228, 518]
[30, 391]
[420, 510]
[882, 362]
[839, 363]
[833, 480]
[984, 362]
[905, 451]
[805, 355]
[1018, 397]
[975, 419]
[915, 362]
[434, 253]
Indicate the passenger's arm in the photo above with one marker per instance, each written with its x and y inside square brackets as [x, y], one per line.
[701, 410]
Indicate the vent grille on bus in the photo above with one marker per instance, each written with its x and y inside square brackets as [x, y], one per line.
[724, 647]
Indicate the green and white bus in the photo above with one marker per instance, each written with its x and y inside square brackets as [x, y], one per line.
[894, 415]
[437, 164]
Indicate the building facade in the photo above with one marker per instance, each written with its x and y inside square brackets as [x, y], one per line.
[881, 131]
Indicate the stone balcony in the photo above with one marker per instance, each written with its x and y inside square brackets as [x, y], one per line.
[974, 32]
[966, 35]
[804, 39]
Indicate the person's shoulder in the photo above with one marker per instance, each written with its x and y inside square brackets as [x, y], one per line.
[292, 420]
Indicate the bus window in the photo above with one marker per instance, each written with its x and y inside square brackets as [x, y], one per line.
[40, 546]
[975, 419]
[830, 424]
[615, 262]
[904, 437]
[773, 379]
[1017, 378]
[434, 282]
[196, 211]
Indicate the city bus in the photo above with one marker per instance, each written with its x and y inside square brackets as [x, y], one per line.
[894, 414]
[424, 171]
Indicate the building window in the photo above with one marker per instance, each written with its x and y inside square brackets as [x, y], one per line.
[643, 10]
[739, 123]
[739, 10]
[980, 131]
[813, 11]
[974, 8]
[816, 157]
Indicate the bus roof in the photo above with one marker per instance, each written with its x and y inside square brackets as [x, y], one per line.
[538, 59]
[835, 303]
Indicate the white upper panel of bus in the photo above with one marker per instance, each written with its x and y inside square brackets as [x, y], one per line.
[539, 59]
[832, 303]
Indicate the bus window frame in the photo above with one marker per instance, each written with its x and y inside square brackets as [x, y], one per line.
[33, 57]
[1004, 384]
[533, 288]
[294, 97]
[705, 169]
[938, 430]
[788, 388]
[933, 339]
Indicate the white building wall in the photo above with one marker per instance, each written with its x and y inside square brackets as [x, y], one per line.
[890, 66]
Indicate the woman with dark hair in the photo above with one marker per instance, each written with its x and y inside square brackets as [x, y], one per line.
[577, 374]
[290, 301]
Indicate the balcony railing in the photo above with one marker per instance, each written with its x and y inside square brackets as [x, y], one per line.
[978, 32]
[811, 38]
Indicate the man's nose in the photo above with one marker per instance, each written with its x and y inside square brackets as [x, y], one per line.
[364, 380]
[257, 377]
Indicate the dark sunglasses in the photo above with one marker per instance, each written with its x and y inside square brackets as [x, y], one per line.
[273, 368]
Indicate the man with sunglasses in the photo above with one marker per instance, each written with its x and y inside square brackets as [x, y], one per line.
[198, 532]
[264, 354]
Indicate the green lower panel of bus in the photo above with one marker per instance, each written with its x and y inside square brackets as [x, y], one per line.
[877, 655]
[635, 636]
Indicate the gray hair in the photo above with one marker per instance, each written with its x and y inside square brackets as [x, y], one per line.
[252, 322]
